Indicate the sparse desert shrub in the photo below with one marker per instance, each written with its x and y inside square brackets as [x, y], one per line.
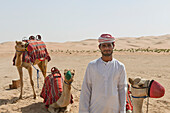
[51, 51]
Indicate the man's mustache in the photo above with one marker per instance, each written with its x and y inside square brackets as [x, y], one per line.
[107, 51]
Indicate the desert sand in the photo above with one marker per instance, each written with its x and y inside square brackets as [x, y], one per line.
[149, 65]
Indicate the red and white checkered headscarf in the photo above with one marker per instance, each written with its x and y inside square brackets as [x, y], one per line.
[106, 38]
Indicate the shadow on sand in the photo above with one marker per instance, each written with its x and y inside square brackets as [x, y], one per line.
[8, 101]
[35, 108]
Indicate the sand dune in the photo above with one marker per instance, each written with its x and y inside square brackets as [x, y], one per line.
[147, 65]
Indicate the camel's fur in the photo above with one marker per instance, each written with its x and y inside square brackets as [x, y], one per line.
[20, 48]
[138, 102]
[62, 104]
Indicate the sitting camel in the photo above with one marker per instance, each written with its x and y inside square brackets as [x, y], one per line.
[49, 94]
[141, 89]
[19, 63]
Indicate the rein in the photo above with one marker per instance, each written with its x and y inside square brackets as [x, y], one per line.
[72, 85]
[76, 88]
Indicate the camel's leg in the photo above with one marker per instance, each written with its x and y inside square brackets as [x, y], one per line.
[31, 81]
[21, 79]
[43, 67]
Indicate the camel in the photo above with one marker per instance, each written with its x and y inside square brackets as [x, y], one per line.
[20, 49]
[139, 88]
[62, 103]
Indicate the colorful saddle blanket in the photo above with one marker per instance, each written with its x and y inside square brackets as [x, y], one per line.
[35, 50]
[52, 88]
[129, 105]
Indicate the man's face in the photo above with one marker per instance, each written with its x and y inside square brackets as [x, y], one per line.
[106, 49]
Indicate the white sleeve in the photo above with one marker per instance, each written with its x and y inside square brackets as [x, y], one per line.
[122, 88]
[85, 95]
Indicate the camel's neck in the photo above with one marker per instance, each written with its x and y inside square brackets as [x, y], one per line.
[64, 100]
[66, 88]
[18, 58]
[137, 105]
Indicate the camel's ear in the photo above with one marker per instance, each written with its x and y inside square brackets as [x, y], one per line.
[137, 79]
[65, 70]
[131, 81]
[16, 42]
[142, 82]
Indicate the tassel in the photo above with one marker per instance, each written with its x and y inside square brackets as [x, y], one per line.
[38, 78]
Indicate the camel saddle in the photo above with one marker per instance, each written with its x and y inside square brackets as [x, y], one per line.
[34, 50]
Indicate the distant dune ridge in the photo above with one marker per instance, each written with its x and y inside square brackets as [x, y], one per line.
[160, 42]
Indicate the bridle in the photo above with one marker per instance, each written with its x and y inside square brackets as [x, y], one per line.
[68, 83]
[147, 87]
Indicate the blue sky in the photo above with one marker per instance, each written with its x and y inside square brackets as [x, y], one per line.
[74, 20]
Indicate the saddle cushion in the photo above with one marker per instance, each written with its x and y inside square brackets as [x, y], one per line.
[52, 88]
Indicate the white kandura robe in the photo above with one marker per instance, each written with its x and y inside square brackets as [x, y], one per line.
[104, 88]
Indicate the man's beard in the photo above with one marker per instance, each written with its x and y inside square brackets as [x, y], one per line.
[107, 54]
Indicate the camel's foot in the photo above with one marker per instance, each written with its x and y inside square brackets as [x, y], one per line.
[62, 110]
[20, 97]
[53, 110]
[67, 110]
[34, 96]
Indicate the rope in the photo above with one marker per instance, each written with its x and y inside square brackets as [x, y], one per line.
[76, 88]
[147, 100]
[37, 72]
[38, 78]
[147, 105]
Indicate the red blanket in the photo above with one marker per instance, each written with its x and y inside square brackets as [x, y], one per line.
[35, 50]
[128, 100]
[52, 88]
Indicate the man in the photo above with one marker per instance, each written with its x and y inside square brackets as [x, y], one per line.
[104, 85]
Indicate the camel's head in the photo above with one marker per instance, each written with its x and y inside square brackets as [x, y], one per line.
[146, 88]
[69, 75]
[138, 82]
[20, 46]
[139, 86]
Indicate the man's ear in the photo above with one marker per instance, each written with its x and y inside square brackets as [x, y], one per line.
[131, 81]
[99, 46]
[113, 45]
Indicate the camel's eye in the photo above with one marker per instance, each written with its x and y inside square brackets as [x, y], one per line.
[72, 74]
[22, 45]
[141, 85]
